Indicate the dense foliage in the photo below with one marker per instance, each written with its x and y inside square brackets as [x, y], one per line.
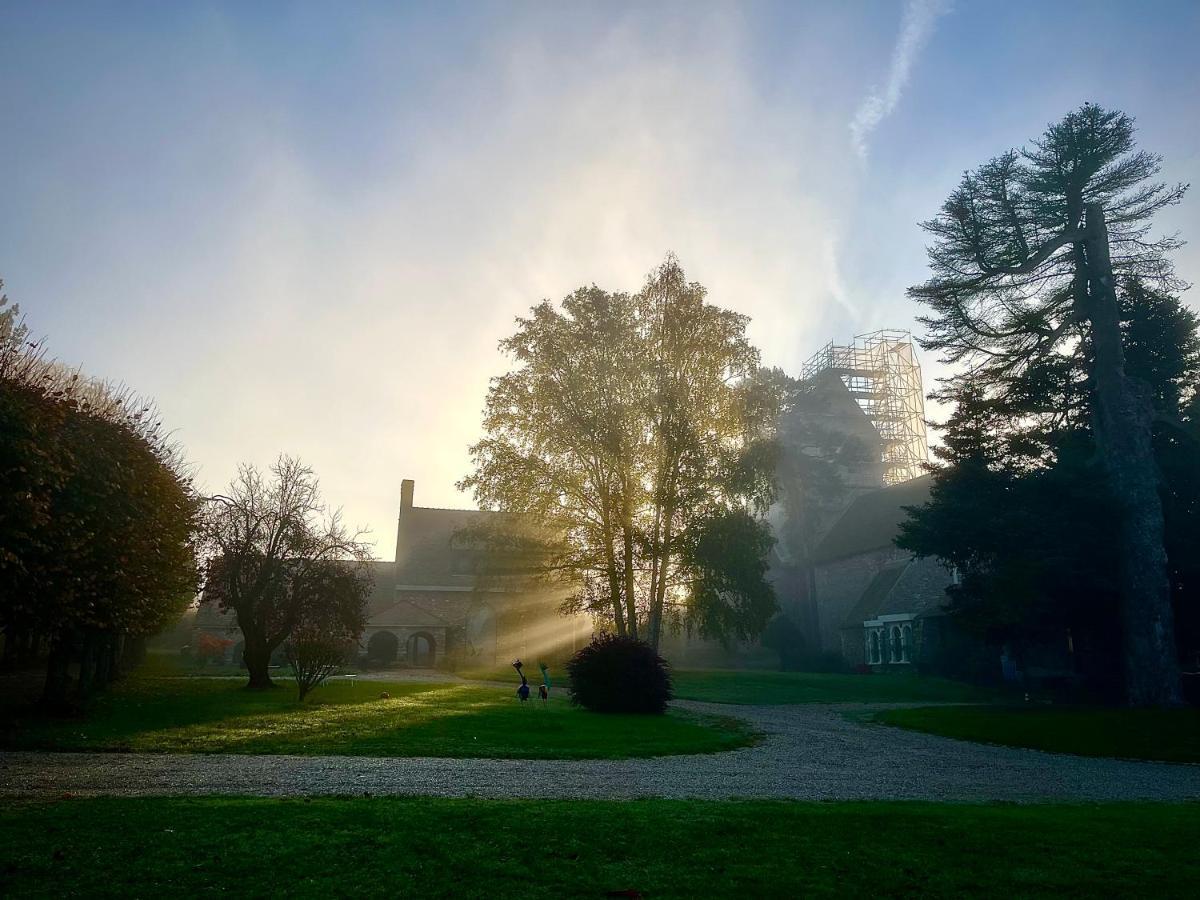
[616, 673]
[328, 624]
[98, 517]
[637, 431]
[1027, 256]
[1021, 507]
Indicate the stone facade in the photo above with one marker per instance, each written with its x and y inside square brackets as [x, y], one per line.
[428, 608]
[839, 587]
[875, 604]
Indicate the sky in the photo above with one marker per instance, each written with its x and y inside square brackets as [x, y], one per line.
[304, 227]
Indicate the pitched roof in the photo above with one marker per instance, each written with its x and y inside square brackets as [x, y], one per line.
[876, 594]
[430, 549]
[872, 521]
[383, 588]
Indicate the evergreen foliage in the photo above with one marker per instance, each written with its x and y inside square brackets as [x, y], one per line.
[1028, 255]
[1022, 509]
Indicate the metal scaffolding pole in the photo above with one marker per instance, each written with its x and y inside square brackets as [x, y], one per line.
[882, 374]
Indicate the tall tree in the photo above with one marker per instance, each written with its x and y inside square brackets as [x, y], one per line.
[98, 515]
[269, 543]
[1024, 512]
[634, 430]
[1026, 259]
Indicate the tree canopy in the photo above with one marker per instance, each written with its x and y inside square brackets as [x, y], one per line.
[99, 513]
[637, 431]
[1026, 259]
[269, 542]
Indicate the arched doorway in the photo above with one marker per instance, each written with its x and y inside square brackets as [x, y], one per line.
[421, 651]
[382, 648]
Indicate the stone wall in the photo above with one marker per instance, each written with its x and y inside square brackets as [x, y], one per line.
[840, 585]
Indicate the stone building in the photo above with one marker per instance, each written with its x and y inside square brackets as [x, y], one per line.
[430, 607]
[850, 448]
[876, 604]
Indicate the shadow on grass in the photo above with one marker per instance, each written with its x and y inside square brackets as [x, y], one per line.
[175, 715]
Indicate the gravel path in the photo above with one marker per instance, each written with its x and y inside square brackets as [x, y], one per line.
[811, 752]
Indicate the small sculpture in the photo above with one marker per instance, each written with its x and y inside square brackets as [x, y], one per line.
[523, 690]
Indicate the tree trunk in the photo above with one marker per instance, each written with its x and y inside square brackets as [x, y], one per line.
[258, 660]
[132, 654]
[1124, 429]
[106, 649]
[630, 593]
[88, 664]
[614, 582]
[58, 678]
[31, 650]
[658, 600]
[14, 646]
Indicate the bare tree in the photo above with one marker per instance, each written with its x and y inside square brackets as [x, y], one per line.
[268, 542]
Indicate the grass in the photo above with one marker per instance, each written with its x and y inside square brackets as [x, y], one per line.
[507, 674]
[179, 715]
[529, 849]
[1171, 735]
[764, 687]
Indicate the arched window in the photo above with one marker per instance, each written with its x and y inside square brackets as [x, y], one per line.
[875, 648]
[906, 643]
[895, 648]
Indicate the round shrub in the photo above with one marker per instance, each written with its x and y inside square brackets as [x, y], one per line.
[619, 674]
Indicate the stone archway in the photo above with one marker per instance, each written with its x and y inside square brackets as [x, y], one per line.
[422, 650]
[382, 648]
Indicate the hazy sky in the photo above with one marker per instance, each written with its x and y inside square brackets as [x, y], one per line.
[304, 227]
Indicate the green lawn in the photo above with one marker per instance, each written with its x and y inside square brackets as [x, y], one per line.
[1167, 735]
[203, 715]
[528, 849]
[808, 687]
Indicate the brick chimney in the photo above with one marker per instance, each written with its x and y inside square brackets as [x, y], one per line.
[406, 505]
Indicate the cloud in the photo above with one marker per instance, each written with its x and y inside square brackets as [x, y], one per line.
[359, 327]
[833, 279]
[328, 273]
[916, 27]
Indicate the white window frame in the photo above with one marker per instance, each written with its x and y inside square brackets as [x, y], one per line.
[883, 626]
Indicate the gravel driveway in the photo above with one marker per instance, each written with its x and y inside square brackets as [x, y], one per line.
[811, 752]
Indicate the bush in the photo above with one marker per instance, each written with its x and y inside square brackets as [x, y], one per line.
[619, 674]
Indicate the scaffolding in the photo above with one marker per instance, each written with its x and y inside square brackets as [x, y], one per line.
[881, 372]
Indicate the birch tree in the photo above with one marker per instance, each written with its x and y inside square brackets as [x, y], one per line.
[636, 430]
